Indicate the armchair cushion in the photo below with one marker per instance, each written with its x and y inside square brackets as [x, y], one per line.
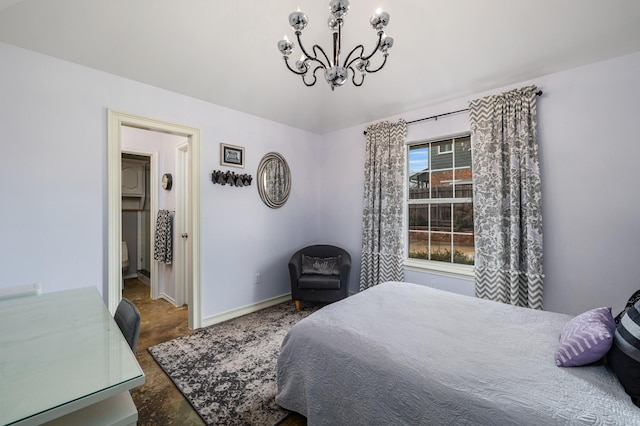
[321, 265]
[319, 282]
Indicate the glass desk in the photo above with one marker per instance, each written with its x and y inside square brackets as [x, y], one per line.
[60, 352]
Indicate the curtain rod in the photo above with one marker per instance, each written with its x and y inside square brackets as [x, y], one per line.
[435, 117]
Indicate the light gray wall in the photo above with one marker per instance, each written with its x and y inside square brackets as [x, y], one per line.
[54, 168]
[589, 151]
[53, 118]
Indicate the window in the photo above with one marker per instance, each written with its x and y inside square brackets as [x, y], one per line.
[440, 203]
[445, 148]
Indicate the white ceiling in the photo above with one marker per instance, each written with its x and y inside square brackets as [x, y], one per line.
[225, 51]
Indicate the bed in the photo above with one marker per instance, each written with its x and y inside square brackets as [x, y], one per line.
[405, 354]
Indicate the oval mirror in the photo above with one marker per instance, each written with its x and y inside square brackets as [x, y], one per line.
[274, 180]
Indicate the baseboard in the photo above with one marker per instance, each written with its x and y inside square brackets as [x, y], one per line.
[129, 276]
[234, 313]
[168, 299]
[144, 278]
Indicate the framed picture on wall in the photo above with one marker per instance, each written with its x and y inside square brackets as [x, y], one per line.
[231, 155]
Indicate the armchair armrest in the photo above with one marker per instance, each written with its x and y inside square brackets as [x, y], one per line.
[345, 268]
[295, 267]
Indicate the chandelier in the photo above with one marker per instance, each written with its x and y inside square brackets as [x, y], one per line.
[316, 59]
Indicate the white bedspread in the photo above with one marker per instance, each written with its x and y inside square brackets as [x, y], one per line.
[403, 353]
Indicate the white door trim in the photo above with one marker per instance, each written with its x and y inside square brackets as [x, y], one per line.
[115, 120]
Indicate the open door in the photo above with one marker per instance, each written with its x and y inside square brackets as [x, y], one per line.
[182, 223]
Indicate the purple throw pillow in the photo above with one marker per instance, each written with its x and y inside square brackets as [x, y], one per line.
[586, 338]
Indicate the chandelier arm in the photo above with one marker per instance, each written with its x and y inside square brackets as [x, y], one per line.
[315, 57]
[380, 34]
[312, 83]
[313, 74]
[353, 78]
[314, 49]
[347, 62]
[315, 77]
[304, 74]
[286, 61]
[380, 67]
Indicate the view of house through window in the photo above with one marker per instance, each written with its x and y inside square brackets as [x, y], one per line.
[440, 205]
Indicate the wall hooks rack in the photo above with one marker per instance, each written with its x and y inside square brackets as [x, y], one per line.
[228, 177]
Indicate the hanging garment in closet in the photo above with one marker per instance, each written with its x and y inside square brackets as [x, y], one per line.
[163, 245]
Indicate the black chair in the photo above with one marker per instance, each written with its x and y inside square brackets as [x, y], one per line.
[319, 273]
[128, 319]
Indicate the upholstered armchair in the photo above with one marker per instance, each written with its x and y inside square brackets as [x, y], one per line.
[319, 273]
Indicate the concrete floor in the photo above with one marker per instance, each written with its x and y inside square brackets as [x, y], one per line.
[158, 401]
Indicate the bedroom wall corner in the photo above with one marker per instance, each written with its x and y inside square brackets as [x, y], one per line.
[588, 154]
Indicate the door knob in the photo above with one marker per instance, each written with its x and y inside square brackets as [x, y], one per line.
[185, 235]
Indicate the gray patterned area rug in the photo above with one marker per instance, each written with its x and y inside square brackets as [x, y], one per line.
[228, 371]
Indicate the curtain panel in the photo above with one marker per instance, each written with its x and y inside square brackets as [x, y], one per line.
[383, 211]
[507, 198]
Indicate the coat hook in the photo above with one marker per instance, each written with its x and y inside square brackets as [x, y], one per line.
[231, 178]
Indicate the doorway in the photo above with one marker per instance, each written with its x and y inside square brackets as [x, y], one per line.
[137, 214]
[191, 179]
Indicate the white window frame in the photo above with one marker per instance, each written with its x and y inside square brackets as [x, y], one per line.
[452, 270]
[442, 151]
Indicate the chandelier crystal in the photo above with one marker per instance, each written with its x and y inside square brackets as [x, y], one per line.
[357, 62]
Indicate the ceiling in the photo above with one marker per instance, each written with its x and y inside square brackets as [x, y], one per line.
[225, 52]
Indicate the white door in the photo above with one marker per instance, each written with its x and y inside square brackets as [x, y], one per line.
[183, 227]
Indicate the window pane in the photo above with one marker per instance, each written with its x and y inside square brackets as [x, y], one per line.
[462, 148]
[418, 217]
[421, 189]
[418, 227]
[464, 190]
[441, 217]
[442, 184]
[440, 247]
[419, 171]
[418, 157]
[440, 157]
[418, 244]
[463, 217]
[462, 177]
[463, 249]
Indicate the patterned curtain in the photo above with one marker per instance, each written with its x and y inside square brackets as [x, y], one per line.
[507, 199]
[382, 231]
